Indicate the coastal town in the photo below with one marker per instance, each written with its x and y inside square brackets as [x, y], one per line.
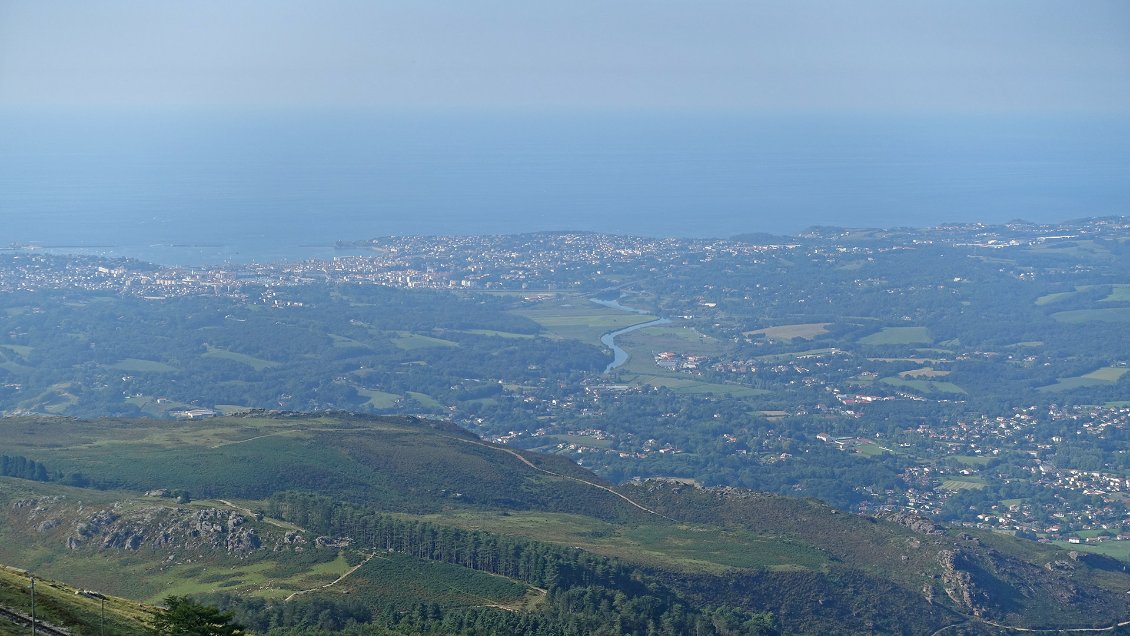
[761, 374]
[552, 260]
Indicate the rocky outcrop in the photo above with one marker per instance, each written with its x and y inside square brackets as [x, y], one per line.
[243, 541]
[958, 583]
[165, 527]
[330, 542]
[136, 527]
[912, 521]
[1059, 565]
[291, 541]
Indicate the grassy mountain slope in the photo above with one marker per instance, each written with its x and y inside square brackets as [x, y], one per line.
[420, 499]
[63, 605]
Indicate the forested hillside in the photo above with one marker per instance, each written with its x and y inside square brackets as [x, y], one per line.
[302, 524]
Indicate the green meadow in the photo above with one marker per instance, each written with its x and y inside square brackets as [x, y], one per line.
[925, 386]
[575, 317]
[137, 365]
[411, 341]
[898, 336]
[1112, 314]
[258, 364]
[1098, 377]
[805, 331]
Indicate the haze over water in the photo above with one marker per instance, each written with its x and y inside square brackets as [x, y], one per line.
[199, 188]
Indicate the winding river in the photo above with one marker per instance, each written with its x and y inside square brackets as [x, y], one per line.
[619, 356]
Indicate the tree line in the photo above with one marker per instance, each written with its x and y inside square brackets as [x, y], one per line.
[585, 593]
[22, 467]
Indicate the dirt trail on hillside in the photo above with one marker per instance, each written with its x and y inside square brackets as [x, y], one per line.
[550, 472]
[1033, 630]
[335, 581]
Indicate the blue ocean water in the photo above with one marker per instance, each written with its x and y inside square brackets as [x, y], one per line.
[192, 188]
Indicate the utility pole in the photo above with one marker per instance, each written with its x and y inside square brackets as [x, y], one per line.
[33, 605]
[102, 622]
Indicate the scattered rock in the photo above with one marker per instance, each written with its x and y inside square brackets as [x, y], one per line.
[912, 521]
[327, 542]
[48, 525]
[1060, 566]
[132, 527]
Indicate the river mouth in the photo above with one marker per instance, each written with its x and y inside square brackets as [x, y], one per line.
[619, 356]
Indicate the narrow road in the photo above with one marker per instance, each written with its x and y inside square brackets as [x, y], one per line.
[1072, 630]
[936, 632]
[244, 441]
[1031, 630]
[40, 626]
[285, 525]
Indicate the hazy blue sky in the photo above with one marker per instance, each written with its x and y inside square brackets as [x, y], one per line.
[668, 55]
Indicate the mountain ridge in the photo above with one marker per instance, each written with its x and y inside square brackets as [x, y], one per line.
[340, 488]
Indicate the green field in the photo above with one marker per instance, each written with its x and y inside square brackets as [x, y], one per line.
[915, 359]
[969, 483]
[702, 388]
[1055, 297]
[425, 400]
[1107, 374]
[1118, 294]
[498, 334]
[343, 341]
[1113, 314]
[1077, 249]
[1098, 377]
[1068, 384]
[806, 331]
[924, 386]
[652, 340]
[137, 365]
[57, 397]
[411, 341]
[923, 372]
[792, 355]
[257, 364]
[898, 336]
[20, 350]
[871, 449]
[13, 366]
[1116, 549]
[378, 399]
[576, 318]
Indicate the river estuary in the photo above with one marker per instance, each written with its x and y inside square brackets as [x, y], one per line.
[619, 356]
